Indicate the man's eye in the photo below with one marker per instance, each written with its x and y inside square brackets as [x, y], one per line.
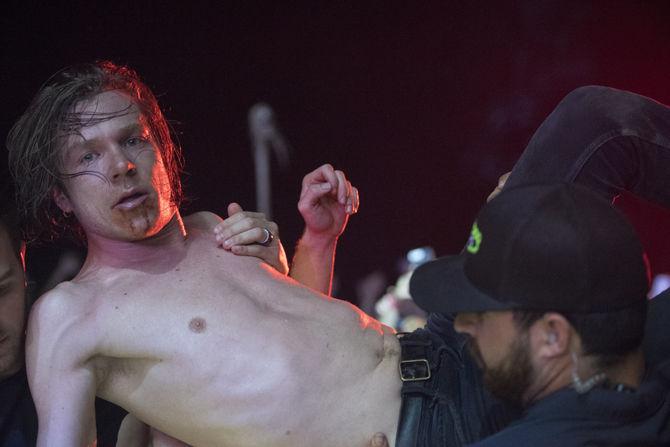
[135, 141]
[87, 158]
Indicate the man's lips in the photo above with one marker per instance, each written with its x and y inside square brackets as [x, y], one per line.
[131, 201]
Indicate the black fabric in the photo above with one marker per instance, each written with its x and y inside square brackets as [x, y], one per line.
[18, 418]
[455, 408]
[409, 420]
[601, 417]
[415, 350]
[656, 343]
[108, 418]
[541, 247]
[609, 141]
[606, 139]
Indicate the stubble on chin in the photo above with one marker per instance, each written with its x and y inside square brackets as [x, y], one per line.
[139, 223]
[509, 380]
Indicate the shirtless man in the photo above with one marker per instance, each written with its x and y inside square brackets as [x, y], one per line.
[210, 348]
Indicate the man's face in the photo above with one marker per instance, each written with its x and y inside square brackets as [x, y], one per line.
[115, 181]
[502, 351]
[12, 308]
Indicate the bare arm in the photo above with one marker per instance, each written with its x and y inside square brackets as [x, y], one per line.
[313, 263]
[61, 379]
[326, 201]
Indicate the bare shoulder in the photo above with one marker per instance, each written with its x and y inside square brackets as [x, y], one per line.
[48, 311]
[62, 379]
[59, 319]
[58, 306]
[202, 220]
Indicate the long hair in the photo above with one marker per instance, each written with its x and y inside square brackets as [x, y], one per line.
[35, 141]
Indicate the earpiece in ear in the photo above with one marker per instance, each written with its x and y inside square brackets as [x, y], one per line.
[552, 337]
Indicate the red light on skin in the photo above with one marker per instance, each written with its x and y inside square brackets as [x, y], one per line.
[367, 322]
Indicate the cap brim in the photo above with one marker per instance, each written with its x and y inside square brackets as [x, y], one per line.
[442, 286]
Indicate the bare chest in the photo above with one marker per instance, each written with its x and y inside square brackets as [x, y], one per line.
[223, 338]
[179, 311]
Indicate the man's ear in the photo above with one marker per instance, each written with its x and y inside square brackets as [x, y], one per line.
[61, 199]
[552, 335]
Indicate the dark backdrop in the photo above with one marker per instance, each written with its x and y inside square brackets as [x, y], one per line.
[423, 104]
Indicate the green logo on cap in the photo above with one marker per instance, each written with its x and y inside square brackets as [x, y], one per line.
[475, 239]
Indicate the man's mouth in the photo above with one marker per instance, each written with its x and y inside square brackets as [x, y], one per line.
[131, 201]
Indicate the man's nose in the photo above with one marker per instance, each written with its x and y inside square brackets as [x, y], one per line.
[466, 322]
[122, 165]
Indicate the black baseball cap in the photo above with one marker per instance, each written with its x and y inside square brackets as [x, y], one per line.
[554, 247]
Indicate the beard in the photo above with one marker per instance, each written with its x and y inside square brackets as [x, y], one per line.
[509, 380]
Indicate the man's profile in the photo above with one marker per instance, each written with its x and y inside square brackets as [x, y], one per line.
[553, 298]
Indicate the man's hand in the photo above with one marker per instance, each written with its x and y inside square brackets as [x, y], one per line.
[379, 440]
[243, 232]
[326, 201]
[501, 183]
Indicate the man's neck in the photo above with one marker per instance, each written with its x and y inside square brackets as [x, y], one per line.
[166, 245]
[551, 377]
[628, 372]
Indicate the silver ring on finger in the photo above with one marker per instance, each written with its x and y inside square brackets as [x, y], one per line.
[269, 237]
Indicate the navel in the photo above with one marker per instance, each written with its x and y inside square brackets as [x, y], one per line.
[197, 325]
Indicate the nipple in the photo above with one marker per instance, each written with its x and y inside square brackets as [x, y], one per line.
[197, 325]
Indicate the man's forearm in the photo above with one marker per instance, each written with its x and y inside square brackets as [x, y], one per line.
[313, 262]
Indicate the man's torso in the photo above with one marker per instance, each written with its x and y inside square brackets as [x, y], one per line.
[216, 349]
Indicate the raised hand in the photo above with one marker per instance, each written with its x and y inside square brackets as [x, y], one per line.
[326, 201]
[247, 233]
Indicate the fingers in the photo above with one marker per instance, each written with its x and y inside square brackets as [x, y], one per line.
[501, 183]
[322, 174]
[343, 187]
[503, 179]
[250, 250]
[353, 201]
[326, 181]
[237, 214]
[347, 194]
[274, 254]
[243, 228]
[234, 208]
[243, 232]
[379, 440]
[254, 235]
